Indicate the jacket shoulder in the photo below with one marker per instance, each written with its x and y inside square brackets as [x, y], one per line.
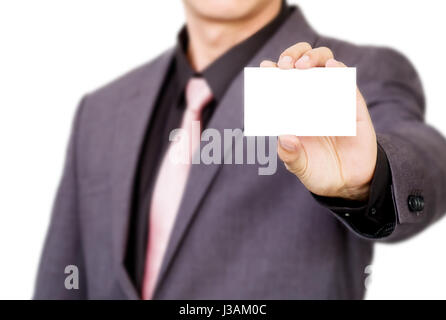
[377, 67]
[98, 109]
[370, 60]
[97, 115]
[129, 83]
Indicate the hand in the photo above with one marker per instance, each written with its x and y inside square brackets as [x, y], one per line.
[340, 167]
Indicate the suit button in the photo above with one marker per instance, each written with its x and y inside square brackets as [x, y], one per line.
[416, 203]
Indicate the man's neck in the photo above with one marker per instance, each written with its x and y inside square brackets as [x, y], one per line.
[208, 39]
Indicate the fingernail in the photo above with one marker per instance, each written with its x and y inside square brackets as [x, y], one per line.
[285, 62]
[303, 60]
[287, 142]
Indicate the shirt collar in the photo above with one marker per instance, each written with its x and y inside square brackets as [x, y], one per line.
[222, 71]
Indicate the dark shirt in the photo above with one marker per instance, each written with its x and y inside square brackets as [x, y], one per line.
[167, 116]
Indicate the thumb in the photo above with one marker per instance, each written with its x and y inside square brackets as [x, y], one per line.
[292, 153]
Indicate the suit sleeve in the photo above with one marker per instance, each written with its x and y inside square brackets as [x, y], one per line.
[62, 246]
[416, 152]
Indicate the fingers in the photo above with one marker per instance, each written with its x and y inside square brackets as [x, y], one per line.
[292, 153]
[314, 58]
[268, 64]
[332, 63]
[289, 57]
[302, 56]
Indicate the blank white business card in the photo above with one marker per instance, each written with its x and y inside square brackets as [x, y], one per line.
[311, 102]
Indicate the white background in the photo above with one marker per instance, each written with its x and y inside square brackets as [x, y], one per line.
[52, 52]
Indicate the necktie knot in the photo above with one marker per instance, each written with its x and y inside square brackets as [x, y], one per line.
[198, 94]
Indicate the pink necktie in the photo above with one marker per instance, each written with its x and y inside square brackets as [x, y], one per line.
[170, 182]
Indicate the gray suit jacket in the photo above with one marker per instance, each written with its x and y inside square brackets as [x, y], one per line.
[237, 235]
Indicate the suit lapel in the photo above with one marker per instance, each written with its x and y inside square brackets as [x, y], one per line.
[133, 116]
[229, 115]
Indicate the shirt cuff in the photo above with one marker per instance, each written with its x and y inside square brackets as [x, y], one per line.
[375, 218]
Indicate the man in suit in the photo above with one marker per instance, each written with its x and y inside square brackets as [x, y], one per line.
[136, 226]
